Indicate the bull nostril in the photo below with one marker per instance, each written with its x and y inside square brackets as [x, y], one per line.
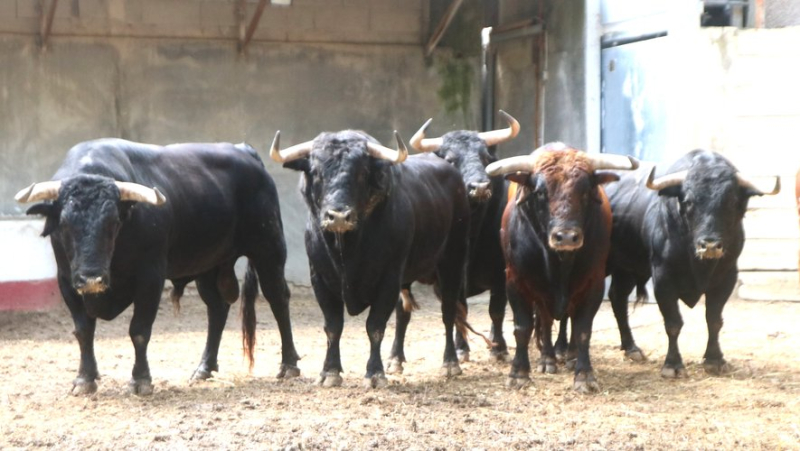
[329, 215]
[559, 237]
[575, 237]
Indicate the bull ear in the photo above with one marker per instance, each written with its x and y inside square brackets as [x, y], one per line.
[50, 211]
[300, 164]
[520, 178]
[601, 178]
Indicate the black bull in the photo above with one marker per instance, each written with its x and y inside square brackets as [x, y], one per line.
[376, 222]
[115, 241]
[684, 230]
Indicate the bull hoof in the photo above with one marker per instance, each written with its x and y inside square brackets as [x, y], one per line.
[635, 354]
[500, 356]
[376, 381]
[395, 366]
[585, 383]
[673, 372]
[547, 365]
[140, 387]
[330, 379]
[463, 356]
[561, 356]
[716, 367]
[517, 382]
[450, 369]
[81, 386]
[288, 371]
[201, 374]
[570, 364]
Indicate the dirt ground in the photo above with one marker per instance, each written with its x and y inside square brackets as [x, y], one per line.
[757, 406]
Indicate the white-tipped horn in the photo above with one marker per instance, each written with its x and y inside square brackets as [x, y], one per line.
[385, 153]
[39, 191]
[419, 142]
[290, 154]
[747, 182]
[611, 161]
[140, 193]
[522, 163]
[494, 137]
[666, 181]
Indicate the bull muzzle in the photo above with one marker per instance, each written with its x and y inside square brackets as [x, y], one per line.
[709, 249]
[90, 284]
[566, 239]
[338, 220]
[479, 191]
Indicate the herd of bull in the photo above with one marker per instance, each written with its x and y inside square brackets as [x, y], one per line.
[541, 231]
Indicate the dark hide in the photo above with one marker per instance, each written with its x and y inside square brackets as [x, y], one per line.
[405, 222]
[559, 205]
[221, 204]
[485, 266]
[656, 234]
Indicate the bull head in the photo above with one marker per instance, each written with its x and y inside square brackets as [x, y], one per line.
[468, 152]
[712, 199]
[84, 215]
[555, 186]
[345, 175]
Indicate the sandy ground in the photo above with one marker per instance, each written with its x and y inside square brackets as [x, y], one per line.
[757, 406]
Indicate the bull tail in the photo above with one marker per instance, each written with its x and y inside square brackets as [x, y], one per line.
[538, 328]
[409, 303]
[249, 295]
[462, 325]
[641, 293]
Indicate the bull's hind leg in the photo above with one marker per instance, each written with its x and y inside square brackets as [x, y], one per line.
[217, 311]
[462, 345]
[276, 290]
[585, 381]
[497, 312]
[332, 308]
[562, 344]
[622, 284]
[402, 316]
[716, 298]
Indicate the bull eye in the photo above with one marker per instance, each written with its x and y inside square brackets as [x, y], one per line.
[450, 159]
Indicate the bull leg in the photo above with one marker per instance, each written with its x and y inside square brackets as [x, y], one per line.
[450, 277]
[561, 342]
[85, 383]
[379, 314]
[333, 310]
[522, 310]
[715, 302]
[668, 304]
[585, 381]
[497, 312]
[461, 343]
[145, 308]
[622, 284]
[398, 356]
[547, 359]
[275, 289]
[217, 311]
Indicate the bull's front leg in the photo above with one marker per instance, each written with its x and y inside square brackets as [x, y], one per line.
[585, 381]
[85, 383]
[522, 310]
[673, 323]
[145, 309]
[379, 315]
[716, 298]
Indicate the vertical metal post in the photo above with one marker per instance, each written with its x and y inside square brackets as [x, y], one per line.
[46, 22]
[488, 66]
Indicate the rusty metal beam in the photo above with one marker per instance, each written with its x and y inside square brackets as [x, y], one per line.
[441, 28]
[251, 29]
[46, 22]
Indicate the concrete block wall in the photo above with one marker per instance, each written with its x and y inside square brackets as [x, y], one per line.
[339, 21]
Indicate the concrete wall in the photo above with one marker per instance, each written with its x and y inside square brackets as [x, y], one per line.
[739, 104]
[781, 13]
[174, 89]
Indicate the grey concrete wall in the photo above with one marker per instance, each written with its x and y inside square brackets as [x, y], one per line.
[781, 13]
[352, 21]
[165, 91]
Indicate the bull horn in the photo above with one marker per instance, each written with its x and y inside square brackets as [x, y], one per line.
[746, 182]
[385, 153]
[495, 137]
[39, 191]
[140, 193]
[290, 154]
[521, 163]
[419, 142]
[666, 181]
[611, 161]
